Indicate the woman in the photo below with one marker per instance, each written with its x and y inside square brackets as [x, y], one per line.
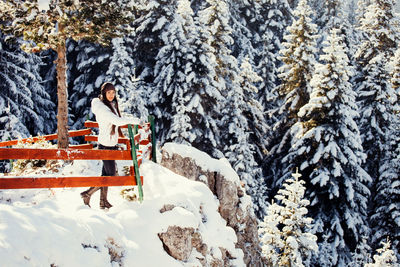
[105, 107]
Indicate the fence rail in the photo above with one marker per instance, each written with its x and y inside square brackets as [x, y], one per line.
[78, 152]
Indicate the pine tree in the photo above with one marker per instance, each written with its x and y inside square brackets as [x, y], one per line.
[88, 67]
[327, 148]
[48, 73]
[385, 258]
[174, 76]
[14, 95]
[215, 18]
[329, 15]
[242, 14]
[45, 120]
[49, 27]
[151, 24]
[351, 11]
[121, 72]
[271, 20]
[295, 74]
[361, 255]
[375, 95]
[395, 71]
[25, 106]
[385, 216]
[284, 233]
[379, 111]
[240, 150]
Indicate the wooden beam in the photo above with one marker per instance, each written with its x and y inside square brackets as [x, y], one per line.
[64, 154]
[61, 182]
[144, 142]
[46, 137]
[91, 124]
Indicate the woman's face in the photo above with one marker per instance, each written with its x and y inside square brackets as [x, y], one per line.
[110, 95]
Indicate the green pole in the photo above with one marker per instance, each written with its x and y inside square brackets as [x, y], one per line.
[135, 131]
[135, 163]
[153, 139]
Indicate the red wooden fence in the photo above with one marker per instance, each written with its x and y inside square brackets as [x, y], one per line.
[74, 152]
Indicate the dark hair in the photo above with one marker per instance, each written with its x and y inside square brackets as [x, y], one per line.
[107, 86]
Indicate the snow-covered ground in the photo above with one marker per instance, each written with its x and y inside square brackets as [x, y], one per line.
[43, 227]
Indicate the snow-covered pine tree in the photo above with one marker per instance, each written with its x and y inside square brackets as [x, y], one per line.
[327, 148]
[48, 73]
[351, 11]
[215, 19]
[270, 235]
[379, 123]
[152, 21]
[14, 95]
[285, 236]
[362, 7]
[375, 94]
[298, 57]
[362, 254]
[385, 214]
[48, 26]
[25, 106]
[385, 217]
[271, 20]
[88, 69]
[239, 150]
[174, 76]
[395, 71]
[385, 258]
[243, 24]
[121, 72]
[45, 122]
[329, 14]
[293, 3]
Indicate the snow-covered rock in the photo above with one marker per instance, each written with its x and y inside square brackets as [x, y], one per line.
[219, 176]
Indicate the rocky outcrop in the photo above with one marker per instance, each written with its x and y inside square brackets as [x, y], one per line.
[184, 242]
[234, 203]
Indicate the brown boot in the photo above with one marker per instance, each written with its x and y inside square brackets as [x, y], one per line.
[104, 204]
[87, 194]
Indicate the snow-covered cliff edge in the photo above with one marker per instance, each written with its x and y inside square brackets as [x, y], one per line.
[53, 228]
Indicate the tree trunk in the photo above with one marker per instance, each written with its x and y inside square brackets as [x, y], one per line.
[62, 115]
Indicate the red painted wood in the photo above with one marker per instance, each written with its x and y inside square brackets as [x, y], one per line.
[94, 138]
[46, 137]
[60, 182]
[144, 142]
[65, 154]
[91, 124]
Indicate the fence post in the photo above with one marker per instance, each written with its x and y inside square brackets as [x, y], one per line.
[135, 131]
[135, 163]
[153, 139]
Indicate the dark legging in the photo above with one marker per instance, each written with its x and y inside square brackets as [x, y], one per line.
[109, 169]
[109, 166]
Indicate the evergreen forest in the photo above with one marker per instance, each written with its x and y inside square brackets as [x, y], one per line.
[271, 85]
